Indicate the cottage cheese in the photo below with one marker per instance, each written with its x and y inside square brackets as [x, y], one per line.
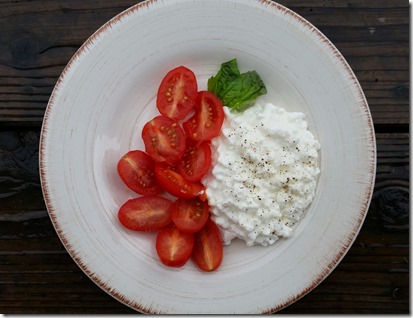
[264, 174]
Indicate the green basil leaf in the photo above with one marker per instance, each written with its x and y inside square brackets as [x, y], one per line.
[235, 90]
[226, 74]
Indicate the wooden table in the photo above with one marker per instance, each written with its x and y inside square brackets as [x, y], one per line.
[37, 38]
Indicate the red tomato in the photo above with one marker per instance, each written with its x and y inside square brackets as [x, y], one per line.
[189, 215]
[137, 171]
[203, 196]
[164, 139]
[176, 94]
[206, 123]
[208, 248]
[146, 213]
[195, 161]
[174, 247]
[175, 184]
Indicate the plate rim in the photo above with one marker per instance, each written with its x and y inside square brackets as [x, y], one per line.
[147, 4]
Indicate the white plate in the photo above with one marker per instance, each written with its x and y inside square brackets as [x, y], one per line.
[107, 92]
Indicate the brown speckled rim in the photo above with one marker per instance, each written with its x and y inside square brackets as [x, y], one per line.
[332, 50]
[373, 156]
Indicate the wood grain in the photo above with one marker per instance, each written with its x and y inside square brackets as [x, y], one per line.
[37, 40]
[38, 276]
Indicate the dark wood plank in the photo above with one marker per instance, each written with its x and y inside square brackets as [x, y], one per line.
[38, 276]
[321, 4]
[39, 38]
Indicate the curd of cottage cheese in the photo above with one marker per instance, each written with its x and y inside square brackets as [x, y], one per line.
[264, 174]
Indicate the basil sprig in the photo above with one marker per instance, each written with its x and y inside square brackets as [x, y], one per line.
[235, 90]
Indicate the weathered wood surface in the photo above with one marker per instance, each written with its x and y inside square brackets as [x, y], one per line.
[37, 38]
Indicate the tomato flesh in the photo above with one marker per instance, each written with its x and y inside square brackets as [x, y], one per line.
[175, 184]
[174, 247]
[189, 215]
[176, 93]
[195, 161]
[207, 120]
[146, 213]
[175, 160]
[208, 248]
[164, 139]
[137, 171]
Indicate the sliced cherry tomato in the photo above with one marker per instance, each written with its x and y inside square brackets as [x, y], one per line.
[206, 123]
[175, 184]
[190, 215]
[174, 247]
[137, 171]
[164, 139]
[203, 196]
[146, 213]
[177, 92]
[208, 248]
[195, 161]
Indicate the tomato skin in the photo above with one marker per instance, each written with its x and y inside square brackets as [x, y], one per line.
[137, 171]
[207, 121]
[175, 184]
[146, 213]
[208, 248]
[190, 215]
[174, 247]
[176, 93]
[196, 160]
[164, 139]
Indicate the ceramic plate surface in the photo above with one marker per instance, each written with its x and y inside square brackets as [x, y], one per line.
[107, 93]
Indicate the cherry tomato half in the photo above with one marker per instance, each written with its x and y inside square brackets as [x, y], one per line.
[137, 171]
[208, 249]
[175, 184]
[206, 123]
[177, 92]
[146, 213]
[190, 215]
[164, 139]
[195, 161]
[174, 247]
